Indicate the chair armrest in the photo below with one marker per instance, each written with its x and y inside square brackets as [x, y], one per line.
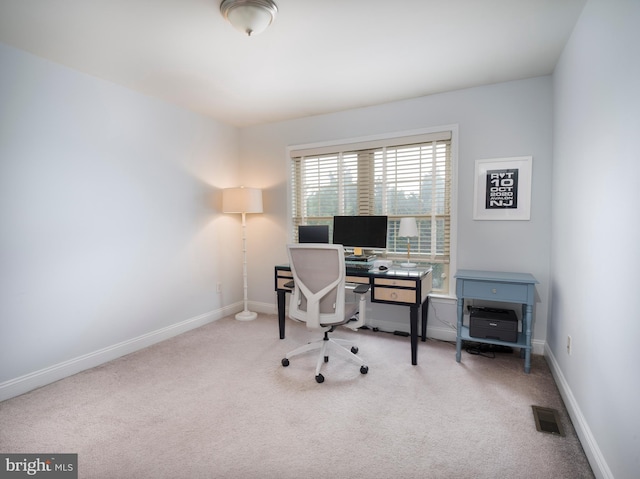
[361, 289]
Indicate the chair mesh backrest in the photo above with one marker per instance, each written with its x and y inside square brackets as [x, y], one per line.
[314, 268]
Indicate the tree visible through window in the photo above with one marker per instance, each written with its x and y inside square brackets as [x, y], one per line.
[398, 177]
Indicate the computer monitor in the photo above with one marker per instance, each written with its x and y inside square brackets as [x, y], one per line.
[360, 232]
[313, 234]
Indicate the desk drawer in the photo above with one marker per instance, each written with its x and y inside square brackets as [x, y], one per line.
[394, 295]
[357, 279]
[283, 278]
[492, 290]
[402, 283]
[282, 282]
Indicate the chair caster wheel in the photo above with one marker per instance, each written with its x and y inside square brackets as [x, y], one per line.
[285, 362]
[319, 378]
[364, 369]
[326, 359]
[354, 350]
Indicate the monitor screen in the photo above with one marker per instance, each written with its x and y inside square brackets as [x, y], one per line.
[360, 231]
[313, 234]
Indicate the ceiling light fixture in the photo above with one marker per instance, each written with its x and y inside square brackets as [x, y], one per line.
[249, 16]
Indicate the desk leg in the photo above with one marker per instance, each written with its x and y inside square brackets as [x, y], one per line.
[527, 325]
[425, 315]
[414, 334]
[459, 329]
[281, 298]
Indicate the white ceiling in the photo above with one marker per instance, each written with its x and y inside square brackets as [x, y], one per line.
[318, 56]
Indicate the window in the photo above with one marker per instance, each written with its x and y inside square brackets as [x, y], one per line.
[398, 177]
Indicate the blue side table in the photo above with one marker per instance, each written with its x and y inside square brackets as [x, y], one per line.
[502, 287]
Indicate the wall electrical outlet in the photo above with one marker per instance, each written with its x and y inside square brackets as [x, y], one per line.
[569, 345]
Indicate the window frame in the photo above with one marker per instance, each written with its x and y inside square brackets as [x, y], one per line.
[390, 140]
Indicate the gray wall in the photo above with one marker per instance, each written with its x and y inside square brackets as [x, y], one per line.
[497, 121]
[111, 233]
[596, 233]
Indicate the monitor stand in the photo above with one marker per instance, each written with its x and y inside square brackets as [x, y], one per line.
[358, 255]
[361, 257]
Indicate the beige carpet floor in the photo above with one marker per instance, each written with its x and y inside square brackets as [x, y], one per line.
[216, 403]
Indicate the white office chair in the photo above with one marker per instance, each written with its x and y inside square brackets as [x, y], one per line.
[319, 299]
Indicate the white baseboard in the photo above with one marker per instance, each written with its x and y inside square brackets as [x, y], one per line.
[441, 333]
[589, 444]
[264, 308]
[28, 382]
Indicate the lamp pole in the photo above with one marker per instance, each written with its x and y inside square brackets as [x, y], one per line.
[245, 315]
[243, 200]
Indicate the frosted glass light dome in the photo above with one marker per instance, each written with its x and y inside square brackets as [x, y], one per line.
[249, 16]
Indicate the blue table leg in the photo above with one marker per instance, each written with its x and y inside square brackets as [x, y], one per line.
[527, 325]
[459, 329]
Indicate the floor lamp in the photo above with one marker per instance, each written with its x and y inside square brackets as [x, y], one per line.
[408, 229]
[243, 200]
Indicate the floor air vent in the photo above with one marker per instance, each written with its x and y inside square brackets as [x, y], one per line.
[547, 420]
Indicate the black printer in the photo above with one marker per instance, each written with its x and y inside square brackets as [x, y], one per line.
[490, 323]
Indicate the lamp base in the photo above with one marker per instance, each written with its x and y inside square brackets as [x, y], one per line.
[246, 316]
[408, 265]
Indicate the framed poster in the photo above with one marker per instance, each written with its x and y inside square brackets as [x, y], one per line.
[503, 189]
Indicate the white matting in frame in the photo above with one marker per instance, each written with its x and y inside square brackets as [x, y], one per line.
[502, 189]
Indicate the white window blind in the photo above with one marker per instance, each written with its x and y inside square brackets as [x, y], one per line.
[397, 177]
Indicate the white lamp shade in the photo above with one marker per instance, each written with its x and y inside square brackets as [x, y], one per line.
[242, 200]
[408, 228]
